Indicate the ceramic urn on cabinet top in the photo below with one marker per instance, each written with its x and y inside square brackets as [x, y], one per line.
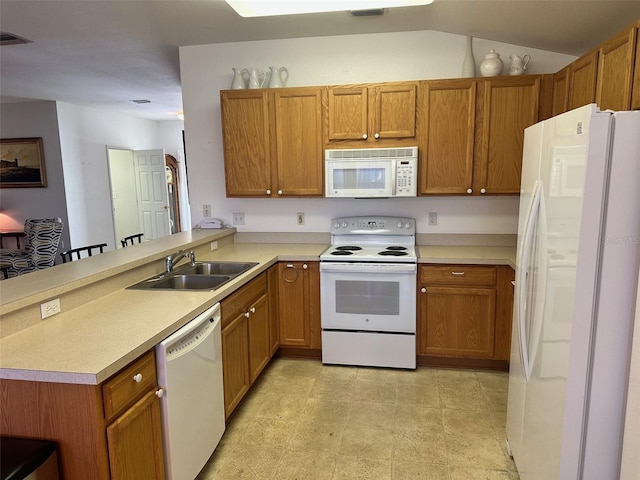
[492, 65]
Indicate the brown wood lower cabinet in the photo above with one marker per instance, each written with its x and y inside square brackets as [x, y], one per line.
[299, 307]
[247, 343]
[108, 431]
[464, 315]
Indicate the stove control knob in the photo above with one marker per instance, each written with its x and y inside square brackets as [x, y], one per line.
[345, 224]
[400, 224]
[407, 225]
[336, 224]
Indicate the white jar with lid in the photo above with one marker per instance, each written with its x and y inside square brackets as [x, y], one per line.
[492, 65]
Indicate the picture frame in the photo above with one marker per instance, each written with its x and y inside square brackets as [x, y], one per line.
[22, 163]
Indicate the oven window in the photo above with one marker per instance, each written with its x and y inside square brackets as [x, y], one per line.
[351, 178]
[367, 297]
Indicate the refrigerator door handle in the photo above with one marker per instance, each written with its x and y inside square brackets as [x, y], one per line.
[527, 247]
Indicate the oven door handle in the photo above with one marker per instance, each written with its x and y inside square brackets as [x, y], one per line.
[361, 267]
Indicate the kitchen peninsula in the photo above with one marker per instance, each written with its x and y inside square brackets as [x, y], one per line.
[59, 366]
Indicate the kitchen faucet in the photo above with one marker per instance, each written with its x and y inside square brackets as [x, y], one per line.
[171, 260]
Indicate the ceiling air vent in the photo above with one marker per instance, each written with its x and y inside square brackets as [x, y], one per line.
[372, 12]
[7, 38]
[142, 100]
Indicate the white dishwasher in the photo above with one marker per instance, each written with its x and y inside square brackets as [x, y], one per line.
[189, 364]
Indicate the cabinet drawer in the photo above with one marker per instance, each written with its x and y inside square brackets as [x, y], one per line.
[126, 386]
[239, 301]
[458, 275]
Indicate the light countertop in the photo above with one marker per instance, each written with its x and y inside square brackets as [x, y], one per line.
[93, 341]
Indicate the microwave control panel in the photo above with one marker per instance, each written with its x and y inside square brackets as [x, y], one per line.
[406, 178]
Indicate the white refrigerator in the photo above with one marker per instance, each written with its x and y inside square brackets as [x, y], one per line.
[575, 292]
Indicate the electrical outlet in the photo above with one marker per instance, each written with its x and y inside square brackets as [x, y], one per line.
[49, 308]
[238, 218]
[433, 219]
[206, 210]
[214, 245]
[300, 218]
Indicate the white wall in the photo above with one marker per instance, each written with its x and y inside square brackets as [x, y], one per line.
[26, 120]
[84, 135]
[206, 69]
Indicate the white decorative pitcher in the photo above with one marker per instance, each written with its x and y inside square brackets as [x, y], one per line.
[240, 78]
[277, 79]
[256, 78]
[519, 65]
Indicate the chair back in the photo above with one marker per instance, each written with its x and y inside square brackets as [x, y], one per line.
[77, 252]
[130, 240]
[42, 238]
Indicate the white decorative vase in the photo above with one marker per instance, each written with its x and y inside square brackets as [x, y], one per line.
[469, 64]
[492, 65]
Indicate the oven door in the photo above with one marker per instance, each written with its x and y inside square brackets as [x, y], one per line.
[368, 297]
[360, 178]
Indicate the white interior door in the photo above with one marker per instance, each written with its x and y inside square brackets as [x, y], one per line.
[153, 198]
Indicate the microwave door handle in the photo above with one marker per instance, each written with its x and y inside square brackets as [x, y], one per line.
[394, 171]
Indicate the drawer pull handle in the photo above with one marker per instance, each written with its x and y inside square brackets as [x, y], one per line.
[137, 377]
[160, 393]
[457, 273]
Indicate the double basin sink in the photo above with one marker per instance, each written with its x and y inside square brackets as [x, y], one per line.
[195, 276]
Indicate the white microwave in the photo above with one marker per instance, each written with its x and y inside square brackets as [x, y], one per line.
[371, 172]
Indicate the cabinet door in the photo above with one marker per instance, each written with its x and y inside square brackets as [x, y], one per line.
[246, 140]
[272, 289]
[615, 71]
[582, 80]
[235, 363]
[393, 111]
[635, 95]
[510, 105]
[299, 304]
[135, 442]
[560, 91]
[259, 341]
[300, 166]
[446, 164]
[458, 321]
[347, 113]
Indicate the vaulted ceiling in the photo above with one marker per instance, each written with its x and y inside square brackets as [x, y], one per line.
[106, 53]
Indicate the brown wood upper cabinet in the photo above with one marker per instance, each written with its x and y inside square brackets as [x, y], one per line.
[370, 113]
[608, 76]
[271, 144]
[472, 134]
[615, 71]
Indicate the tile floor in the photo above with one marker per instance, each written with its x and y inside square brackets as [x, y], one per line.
[308, 421]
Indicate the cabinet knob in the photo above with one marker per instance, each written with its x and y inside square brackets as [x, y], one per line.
[483, 190]
[469, 190]
[279, 192]
[137, 377]
[252, 309]
[376, 135]
[364, 136]
[160, 393]
[268, 192]
[246, 314]
[423, 290]
[304, 266]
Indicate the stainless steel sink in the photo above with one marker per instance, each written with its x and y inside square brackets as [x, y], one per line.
[191, 282]
[217, 268]
[195, 276]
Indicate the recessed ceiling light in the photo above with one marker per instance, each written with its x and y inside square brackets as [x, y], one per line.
[260, 8]
[142, 100]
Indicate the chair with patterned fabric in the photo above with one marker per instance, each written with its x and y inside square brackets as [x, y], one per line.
[42, 238]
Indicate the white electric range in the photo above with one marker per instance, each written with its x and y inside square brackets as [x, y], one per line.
[368, 292]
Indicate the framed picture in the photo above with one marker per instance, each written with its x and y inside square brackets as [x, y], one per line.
[22, 163]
